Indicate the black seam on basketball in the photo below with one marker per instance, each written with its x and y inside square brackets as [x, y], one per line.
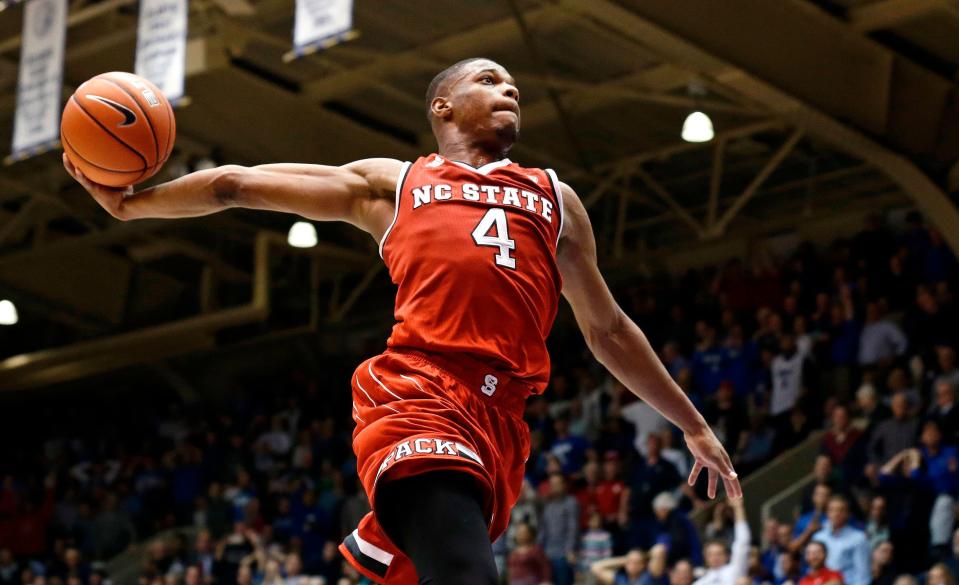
[171, 119]
[93, 164]
[153, 131]
[107, 130]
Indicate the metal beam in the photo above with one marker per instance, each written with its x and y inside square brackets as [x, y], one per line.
[154, 249]
[622, 89]
[364, 283]
[691, 53]
[15, 223]
[715, 182]
[144, 345]
[891, 13]
[552, 94]
[679, 147]
[605, 185]
[831, 67]
[585, 98]
[620, 225]
[456, 44]
[757, 182]
[670, 201]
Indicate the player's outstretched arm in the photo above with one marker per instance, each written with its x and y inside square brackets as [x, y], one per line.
[349, 193]
[619, 344]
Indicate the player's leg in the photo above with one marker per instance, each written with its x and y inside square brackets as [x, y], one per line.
[437, 520]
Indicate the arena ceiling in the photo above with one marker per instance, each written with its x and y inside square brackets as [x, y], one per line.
[819, 107]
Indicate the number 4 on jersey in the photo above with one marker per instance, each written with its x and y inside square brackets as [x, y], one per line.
[496, 217]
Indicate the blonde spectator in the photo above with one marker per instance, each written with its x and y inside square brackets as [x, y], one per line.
[726, 567]
[940, 574]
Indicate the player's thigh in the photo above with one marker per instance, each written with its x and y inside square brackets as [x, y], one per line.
[437, 520]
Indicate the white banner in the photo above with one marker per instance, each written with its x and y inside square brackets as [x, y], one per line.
[36, 126]
[161, 45]
[320, 23]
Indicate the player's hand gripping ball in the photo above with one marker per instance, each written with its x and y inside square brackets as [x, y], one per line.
[117, 129]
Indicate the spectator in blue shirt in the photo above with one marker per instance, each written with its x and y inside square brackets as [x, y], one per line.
[844, 332]
[940, 463]
[568, 448]
[811, 522]
[707, 362]
[673, 529]
[939, 471]
[881, 340]
[739, 361]
[673, 360]
[848, 547]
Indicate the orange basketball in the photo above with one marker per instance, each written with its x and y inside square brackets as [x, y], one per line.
[118, 129]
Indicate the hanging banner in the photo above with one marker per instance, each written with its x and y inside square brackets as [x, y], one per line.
[36, 124]
[319, 24]
[161, 45]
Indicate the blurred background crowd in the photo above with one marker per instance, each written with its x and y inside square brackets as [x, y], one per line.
[858, 338]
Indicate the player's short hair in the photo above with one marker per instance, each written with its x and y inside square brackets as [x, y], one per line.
[442, 78]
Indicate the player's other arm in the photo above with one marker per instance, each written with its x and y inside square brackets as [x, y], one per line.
[317, 192]
[620, 345]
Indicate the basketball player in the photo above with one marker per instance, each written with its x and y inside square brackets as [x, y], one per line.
[480, 249]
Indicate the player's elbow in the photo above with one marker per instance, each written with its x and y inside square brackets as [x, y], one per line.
[603, 336]
[231, 184]
[120, 212]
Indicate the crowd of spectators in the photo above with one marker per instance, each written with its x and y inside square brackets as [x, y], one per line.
[858, 338]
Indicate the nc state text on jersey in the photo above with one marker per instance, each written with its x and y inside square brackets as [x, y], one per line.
[493, 194]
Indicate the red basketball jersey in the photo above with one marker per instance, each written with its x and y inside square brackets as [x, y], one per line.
[473, 252]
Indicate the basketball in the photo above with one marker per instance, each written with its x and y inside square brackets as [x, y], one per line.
[118, 129]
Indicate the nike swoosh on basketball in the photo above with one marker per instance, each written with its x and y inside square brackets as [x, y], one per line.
[128, 116]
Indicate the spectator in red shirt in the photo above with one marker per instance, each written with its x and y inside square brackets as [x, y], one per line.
[612, 494]
[818, 574]
[29, 532]
[528, 564]
[587, 495]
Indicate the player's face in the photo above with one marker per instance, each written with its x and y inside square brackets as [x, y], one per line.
[485, 99]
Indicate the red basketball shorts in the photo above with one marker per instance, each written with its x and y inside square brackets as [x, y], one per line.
[418, 412]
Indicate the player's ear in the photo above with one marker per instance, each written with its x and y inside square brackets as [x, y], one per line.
[441, 108]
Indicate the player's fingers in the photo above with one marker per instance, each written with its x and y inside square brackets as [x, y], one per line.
[713, 482]
[726, 468]
[694, 474]
[71, 170]
[95, 189]
[733, 489]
